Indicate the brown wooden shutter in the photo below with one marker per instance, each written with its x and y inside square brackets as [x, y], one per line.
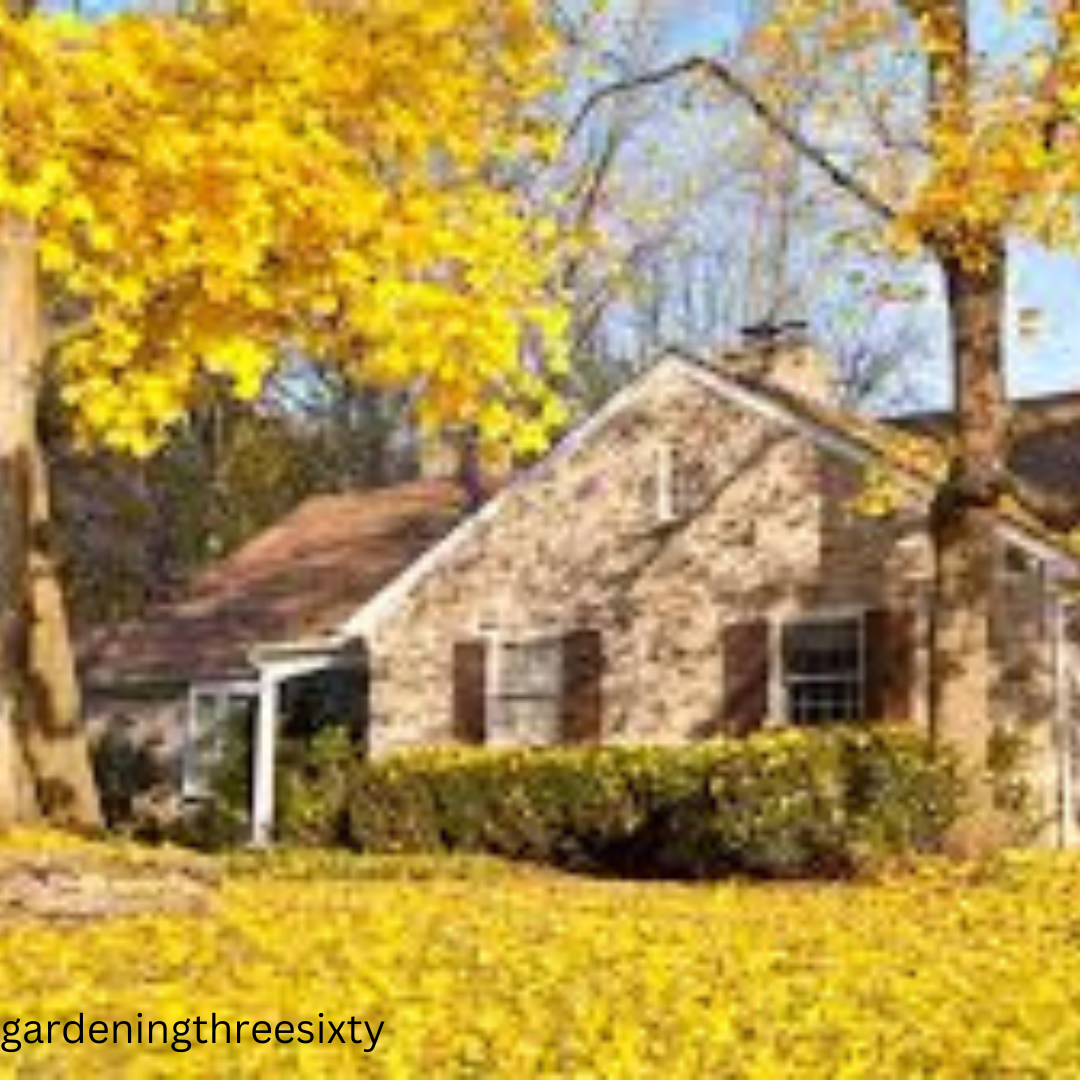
[889, 664]
[470, 691]
[746, 676]
[582, 686]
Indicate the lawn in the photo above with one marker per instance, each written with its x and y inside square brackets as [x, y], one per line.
[478, 968]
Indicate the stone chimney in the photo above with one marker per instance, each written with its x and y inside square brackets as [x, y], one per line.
[780, 354]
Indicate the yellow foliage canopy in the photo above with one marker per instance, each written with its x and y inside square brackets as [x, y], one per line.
[331, 179]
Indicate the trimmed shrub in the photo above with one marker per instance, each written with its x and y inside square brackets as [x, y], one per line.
[786, 804]
[312, 780]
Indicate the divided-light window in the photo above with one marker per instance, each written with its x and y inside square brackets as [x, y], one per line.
[527, 692]
[823, 670]
[219, 721]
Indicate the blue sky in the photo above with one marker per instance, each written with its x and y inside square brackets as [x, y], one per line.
[1052, 284]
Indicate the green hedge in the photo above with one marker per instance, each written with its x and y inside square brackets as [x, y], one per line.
[790, 803]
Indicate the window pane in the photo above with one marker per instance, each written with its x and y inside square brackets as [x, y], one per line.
[219, 738]
[822, 670]
[526, 707]
[821, 648]
[531, 668]
[530, 721]
[824, 701]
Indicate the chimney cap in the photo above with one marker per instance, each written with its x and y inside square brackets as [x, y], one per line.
[770, 333]
[782, 355]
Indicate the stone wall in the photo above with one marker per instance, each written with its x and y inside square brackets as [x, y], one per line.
[764, 528]
[890, 561]
[580, 543]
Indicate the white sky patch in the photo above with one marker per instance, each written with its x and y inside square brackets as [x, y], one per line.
[1049, 284]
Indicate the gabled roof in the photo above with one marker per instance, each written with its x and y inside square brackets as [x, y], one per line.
[913, 456]
[334, 568]
[300, 578]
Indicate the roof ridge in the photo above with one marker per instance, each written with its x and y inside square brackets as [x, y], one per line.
[866, 435]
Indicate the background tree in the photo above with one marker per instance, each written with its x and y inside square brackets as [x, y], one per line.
[193, 198]
[132, 532]
[698, 224]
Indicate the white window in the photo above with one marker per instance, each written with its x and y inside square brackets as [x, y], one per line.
[665, 508]
[215, 711]
[525, 691]
[822, 667]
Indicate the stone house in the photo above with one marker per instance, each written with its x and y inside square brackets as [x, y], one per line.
[688, 564]
[159, 690]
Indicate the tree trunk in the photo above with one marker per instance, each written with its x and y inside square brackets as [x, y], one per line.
[56, 744]
[965, 535]
[19, 344]
[44, 760]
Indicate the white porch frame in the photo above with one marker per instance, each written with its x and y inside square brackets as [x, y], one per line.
[277, 665]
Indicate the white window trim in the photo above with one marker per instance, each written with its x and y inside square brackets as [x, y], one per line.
[778, 703]
[192, 781]
[665, 508]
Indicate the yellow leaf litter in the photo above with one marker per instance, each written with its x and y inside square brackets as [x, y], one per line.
[477, 968]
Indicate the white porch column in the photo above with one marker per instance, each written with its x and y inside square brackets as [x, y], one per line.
[262, 785]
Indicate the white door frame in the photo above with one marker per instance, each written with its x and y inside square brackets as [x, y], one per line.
[191, 785]
[274, 672]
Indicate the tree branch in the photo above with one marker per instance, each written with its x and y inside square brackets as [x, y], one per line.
[1056, 119]
[717, 71]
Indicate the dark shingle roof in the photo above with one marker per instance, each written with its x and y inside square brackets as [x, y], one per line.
[296, 580]
[1046, 450]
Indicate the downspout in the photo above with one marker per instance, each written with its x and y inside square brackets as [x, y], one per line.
[1067, 824]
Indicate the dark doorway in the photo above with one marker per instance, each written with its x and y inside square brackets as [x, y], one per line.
[335, 697]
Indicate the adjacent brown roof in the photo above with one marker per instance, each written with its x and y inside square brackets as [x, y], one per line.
[296, 580]
[1046, 448]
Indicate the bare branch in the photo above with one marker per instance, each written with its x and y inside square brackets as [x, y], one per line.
[717, 71]
[595, 183]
